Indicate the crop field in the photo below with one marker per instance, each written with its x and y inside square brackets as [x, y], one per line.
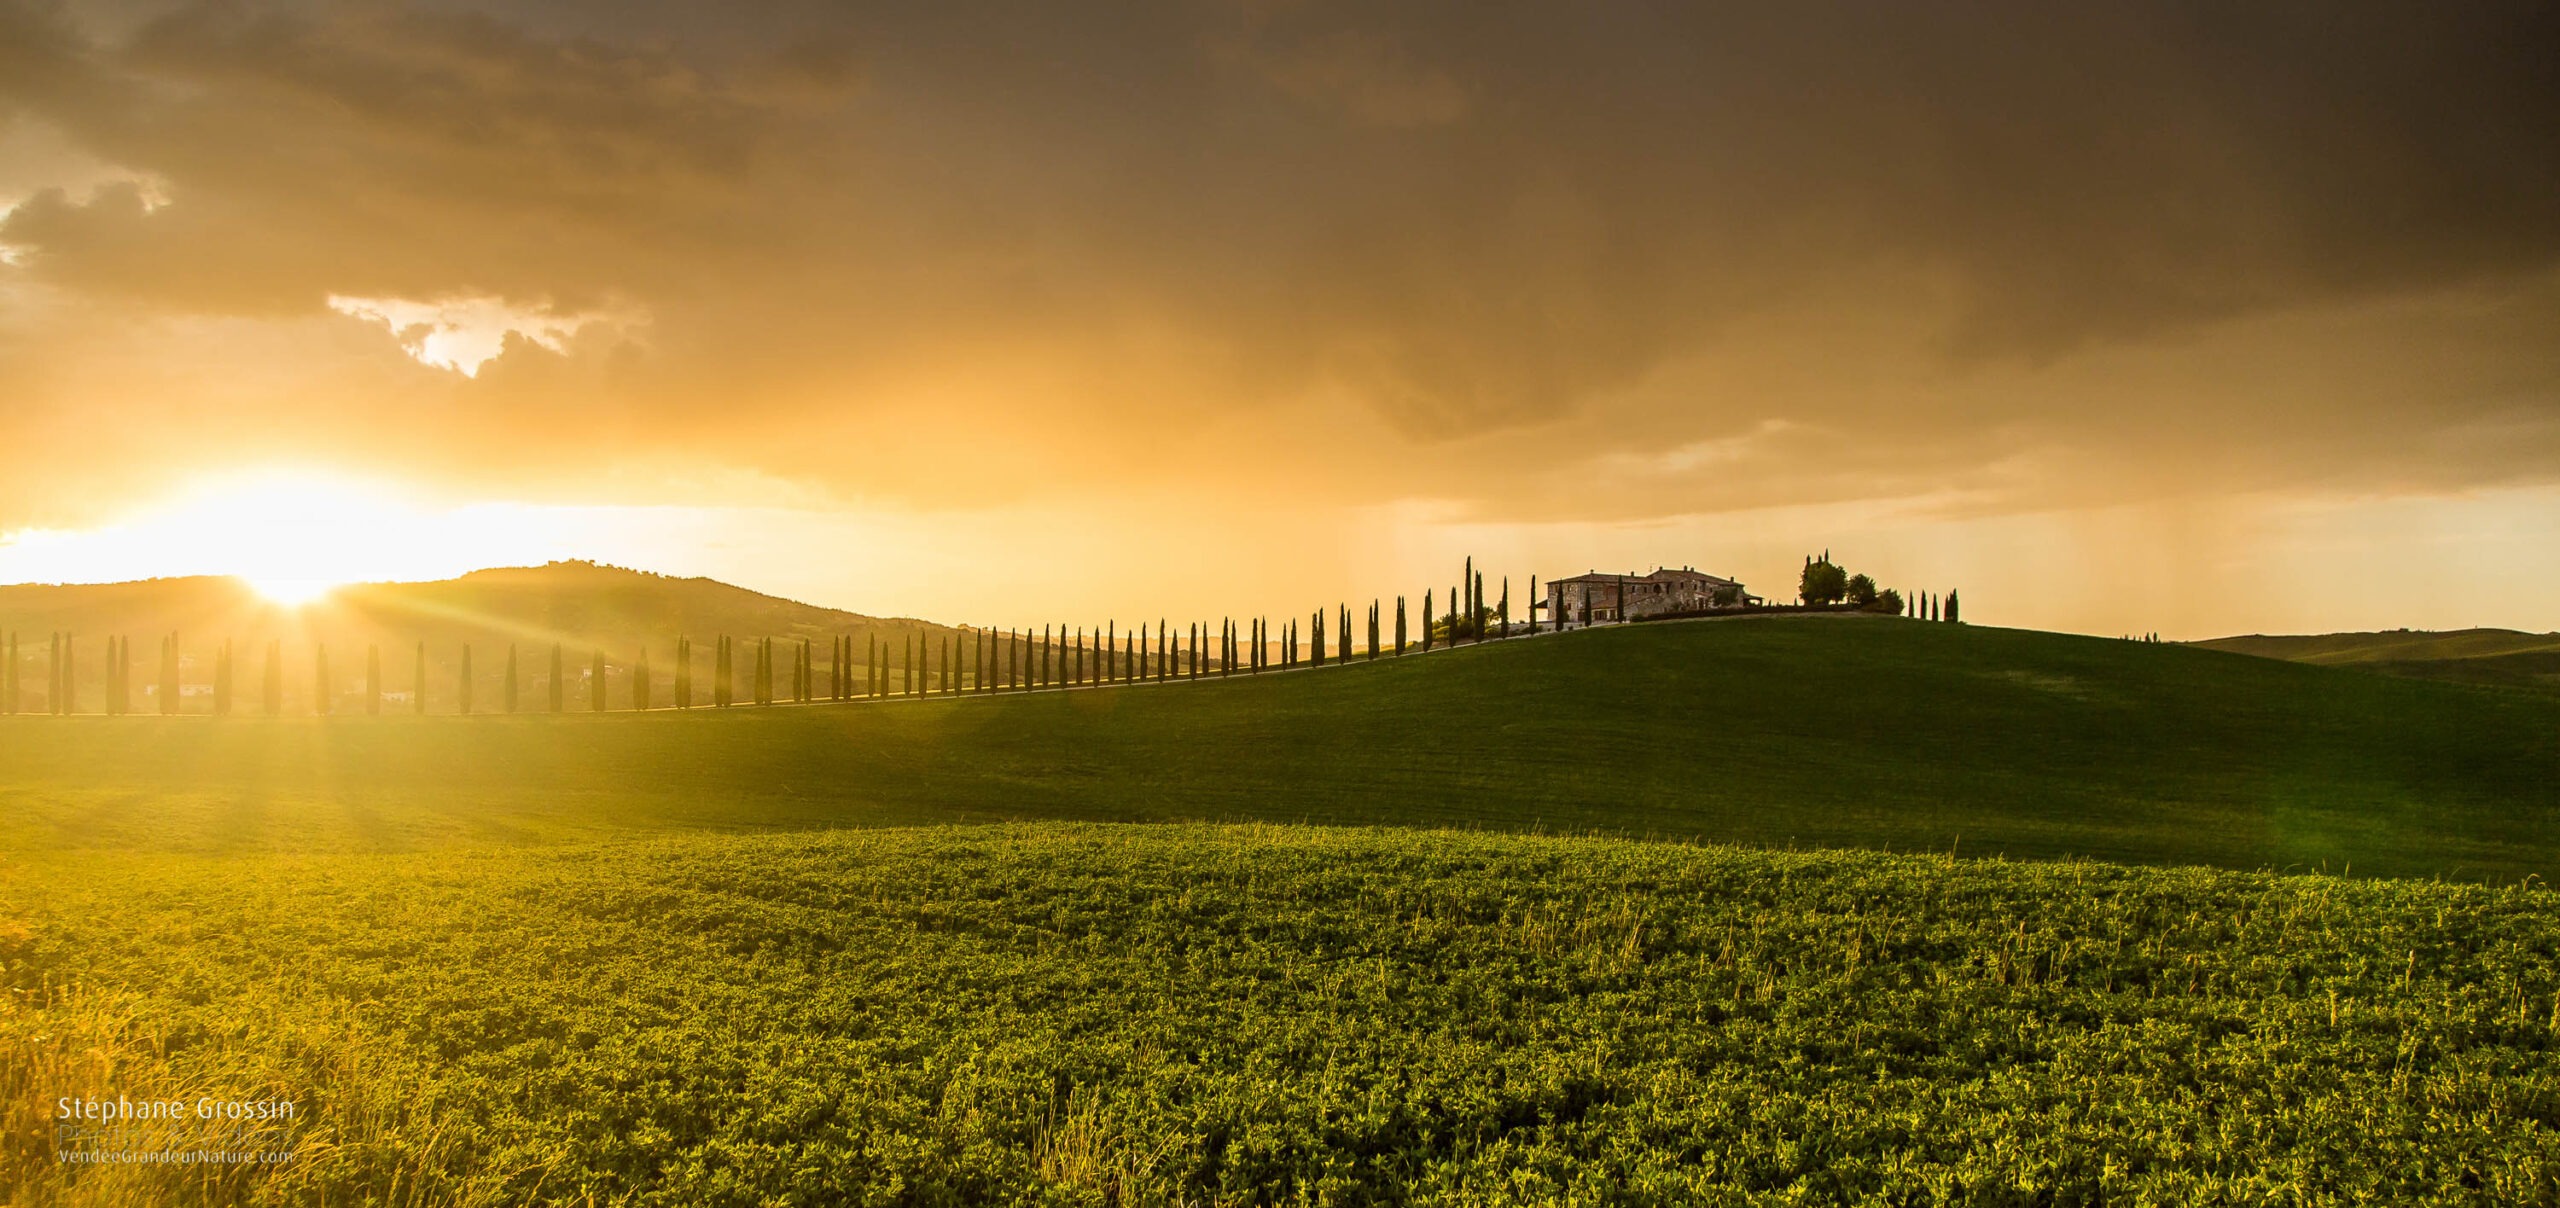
[1090, 1014]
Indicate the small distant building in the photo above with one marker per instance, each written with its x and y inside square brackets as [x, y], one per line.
[1591, 598]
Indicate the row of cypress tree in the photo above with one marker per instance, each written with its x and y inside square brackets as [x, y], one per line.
[912, 664]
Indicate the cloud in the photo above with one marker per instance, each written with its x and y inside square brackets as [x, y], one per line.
[462, 334]
[1395, 251]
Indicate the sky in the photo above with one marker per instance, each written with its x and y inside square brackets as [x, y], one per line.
[2133, 317]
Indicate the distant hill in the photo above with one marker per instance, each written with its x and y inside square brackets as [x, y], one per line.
[2504, 657]
[581, 606]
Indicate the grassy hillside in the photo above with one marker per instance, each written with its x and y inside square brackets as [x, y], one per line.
[2388, 646]
[1062, 1014]
[578, 605]
[1845, 731]
[2499, 657]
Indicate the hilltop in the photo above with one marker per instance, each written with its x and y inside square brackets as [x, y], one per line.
[1837, 731]
[2503, 657]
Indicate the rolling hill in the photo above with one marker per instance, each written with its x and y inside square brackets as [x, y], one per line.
[1839, 731]
[2502, 657]
[757, 955]
[581, 606]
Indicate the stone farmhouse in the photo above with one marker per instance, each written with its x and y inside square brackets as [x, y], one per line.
[1594, 597]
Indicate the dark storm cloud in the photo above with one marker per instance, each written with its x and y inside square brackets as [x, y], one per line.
[1457, 219]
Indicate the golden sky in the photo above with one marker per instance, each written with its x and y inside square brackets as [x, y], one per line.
[2191, 318]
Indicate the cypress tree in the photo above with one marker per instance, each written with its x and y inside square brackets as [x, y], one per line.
[559, 680]
[1533, 604]
[1315, 629]
[1426, 622]
[684, 672]
[373, 680]
[417, 697]
[1345, 631]
[722, 671]
[509, 692]
[907, 669]
[1505, 612]
[464, 695]
[1466, 582]
[53, 673]
[595, 683]
[1955, 614]
[271, 693]
[640, 682]
[320, 694]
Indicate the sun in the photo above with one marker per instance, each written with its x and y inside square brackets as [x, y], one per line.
[290, 592]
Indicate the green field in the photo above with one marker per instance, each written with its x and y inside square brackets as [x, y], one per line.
[909, 953]
[2503, 658]
[1060, 1013]
[1838, 731]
